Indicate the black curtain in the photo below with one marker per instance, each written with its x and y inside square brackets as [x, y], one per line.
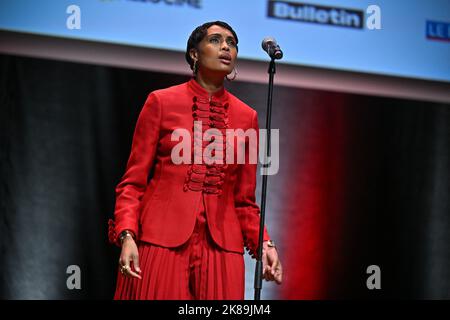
[66, 131]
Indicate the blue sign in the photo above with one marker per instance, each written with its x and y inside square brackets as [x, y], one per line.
[438, 30]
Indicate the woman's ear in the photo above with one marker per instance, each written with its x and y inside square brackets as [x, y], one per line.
[193, 53]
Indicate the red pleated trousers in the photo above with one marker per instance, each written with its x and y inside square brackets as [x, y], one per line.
[197, 270]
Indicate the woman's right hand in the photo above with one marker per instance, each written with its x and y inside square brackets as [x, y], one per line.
[129, 254]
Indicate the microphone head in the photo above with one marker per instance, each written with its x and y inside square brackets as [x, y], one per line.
[268, 41]
[278, 54]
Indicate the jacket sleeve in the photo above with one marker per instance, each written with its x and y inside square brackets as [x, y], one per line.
[133, 183]
[247, 209]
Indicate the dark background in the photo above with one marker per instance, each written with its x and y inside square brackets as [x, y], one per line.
[363, 180]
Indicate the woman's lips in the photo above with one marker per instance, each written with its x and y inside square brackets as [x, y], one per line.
[225, 61]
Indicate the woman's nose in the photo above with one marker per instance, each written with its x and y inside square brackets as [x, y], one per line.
[225, 46]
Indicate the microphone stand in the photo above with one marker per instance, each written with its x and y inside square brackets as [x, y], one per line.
[259, 265]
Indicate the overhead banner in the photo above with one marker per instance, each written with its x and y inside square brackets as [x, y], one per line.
[404, 38]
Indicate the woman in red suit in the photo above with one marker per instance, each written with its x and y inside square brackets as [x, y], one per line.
[183, 227]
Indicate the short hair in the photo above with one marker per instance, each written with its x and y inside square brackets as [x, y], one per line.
[199, 33]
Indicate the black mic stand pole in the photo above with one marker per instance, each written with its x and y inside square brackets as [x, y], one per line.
[259, 265]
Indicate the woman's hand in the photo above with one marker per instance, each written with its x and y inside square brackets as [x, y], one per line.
[129, 254]
[272, 270]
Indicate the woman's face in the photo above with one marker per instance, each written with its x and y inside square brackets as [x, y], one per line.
[217, 52]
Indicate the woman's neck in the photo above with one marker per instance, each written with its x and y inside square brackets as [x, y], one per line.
[209, 84]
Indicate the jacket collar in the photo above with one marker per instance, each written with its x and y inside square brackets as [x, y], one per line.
[200, 92]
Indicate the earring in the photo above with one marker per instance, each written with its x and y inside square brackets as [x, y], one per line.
[234, 76]
[194, 68]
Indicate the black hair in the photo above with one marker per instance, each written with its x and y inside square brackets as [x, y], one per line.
[199, 33]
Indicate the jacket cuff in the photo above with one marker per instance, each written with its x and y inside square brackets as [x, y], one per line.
[251, 244]
[114, 232]
[112, 235]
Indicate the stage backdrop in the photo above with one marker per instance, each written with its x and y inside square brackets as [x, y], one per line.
[363, 181]
[403, 37]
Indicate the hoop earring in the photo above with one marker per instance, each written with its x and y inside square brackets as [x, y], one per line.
[234, 76]
[194, 68]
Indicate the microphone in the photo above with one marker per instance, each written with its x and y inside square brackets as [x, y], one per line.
[270, 45]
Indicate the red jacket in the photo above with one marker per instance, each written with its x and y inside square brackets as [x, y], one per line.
[161, 208]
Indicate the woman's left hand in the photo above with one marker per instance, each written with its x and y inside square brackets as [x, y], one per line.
[272, 270]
